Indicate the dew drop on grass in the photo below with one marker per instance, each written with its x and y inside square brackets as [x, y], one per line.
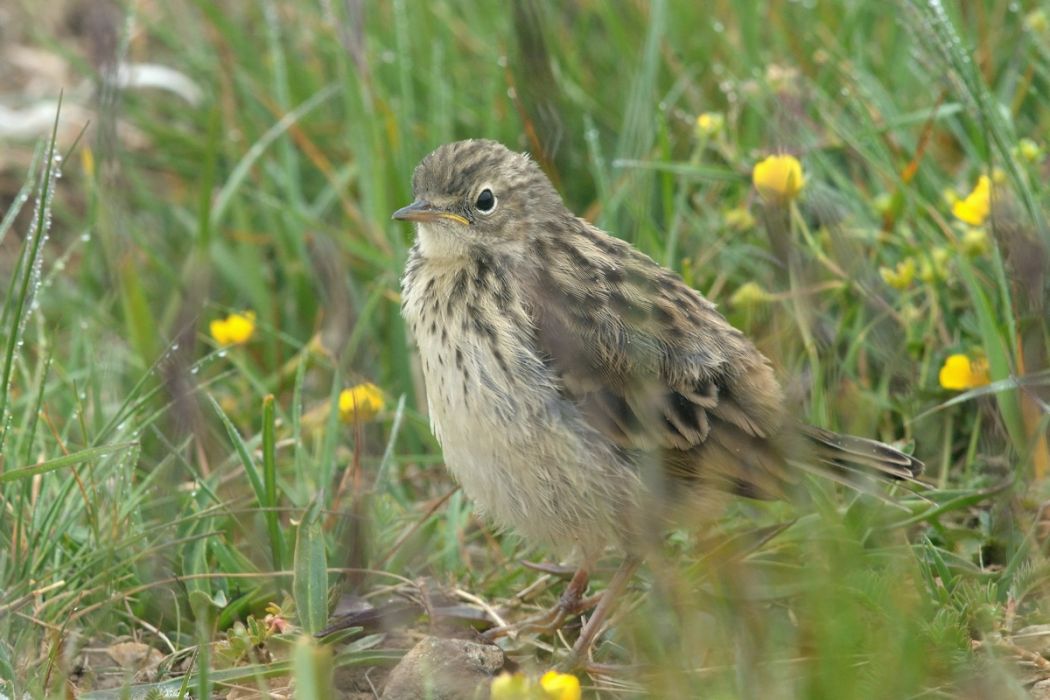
[718, 27]
[222, 353]
[40, 230]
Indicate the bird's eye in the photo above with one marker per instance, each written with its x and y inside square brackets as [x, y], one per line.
[486, 201]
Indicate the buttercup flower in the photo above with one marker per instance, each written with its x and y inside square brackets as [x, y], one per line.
[1029, 151]
[739, 219]
[552, 686]
[710, 123]
[901, 276]
[234, 329]
[935, 266]
[974, 242]
[1037, 22]
[960, 373]
[778, 178]
[975, 207]
[510, 686]
[749, 294]
[560, 686]
[883, 204]
[361, 402]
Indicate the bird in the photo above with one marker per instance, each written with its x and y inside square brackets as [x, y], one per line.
[582, 393]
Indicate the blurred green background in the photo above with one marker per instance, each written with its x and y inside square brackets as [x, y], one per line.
[223, 158]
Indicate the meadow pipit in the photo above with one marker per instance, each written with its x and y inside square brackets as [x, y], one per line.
[579, 390]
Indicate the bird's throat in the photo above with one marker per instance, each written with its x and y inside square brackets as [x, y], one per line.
[438, 241]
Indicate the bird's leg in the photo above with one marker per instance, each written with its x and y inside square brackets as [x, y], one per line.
[571, 603]
[572, 598]
[593, 626]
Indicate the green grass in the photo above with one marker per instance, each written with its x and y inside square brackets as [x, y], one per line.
[159, 488]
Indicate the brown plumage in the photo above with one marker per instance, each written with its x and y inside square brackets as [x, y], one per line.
[575, 385]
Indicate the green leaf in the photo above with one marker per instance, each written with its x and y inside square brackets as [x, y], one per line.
[269, 500]
[997, 350]
[312, 669]
[310, 582]
[64, 461]
[250, 470]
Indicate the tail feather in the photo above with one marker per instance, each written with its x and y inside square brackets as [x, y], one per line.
[856, 454]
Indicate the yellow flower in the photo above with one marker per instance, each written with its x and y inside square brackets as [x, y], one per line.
[361, 402]
[975, 207]
[560, 686]
[883, 204]
[1028, 151]
[935, 267]
[508, 686]
[959, 373]
[975, 242]
[778, 178]
[1037, 22]
[234, 329]
[749, 294]
[710, 123]
[901, 276]
[552, 686]
[739, 219]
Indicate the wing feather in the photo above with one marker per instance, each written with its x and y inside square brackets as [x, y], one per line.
[653, 366]
[650, 362]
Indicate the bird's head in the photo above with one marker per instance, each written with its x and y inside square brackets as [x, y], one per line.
[478, 193]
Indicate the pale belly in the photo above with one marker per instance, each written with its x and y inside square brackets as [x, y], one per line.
[517, 447]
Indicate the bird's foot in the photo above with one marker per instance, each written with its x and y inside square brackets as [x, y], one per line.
[571, 604]
[580, 652]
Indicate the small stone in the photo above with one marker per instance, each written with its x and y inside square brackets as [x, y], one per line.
[1040, 691]
[444, 669]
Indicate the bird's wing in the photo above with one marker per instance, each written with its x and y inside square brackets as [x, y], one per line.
[649, 361]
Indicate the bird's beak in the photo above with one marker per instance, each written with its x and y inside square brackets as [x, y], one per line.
[422, 210]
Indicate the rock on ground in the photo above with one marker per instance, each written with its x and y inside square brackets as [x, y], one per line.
[444, 669]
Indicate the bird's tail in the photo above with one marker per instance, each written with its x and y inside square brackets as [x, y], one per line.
[852, 455]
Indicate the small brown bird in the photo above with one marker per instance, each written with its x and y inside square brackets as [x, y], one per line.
[580, 391]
